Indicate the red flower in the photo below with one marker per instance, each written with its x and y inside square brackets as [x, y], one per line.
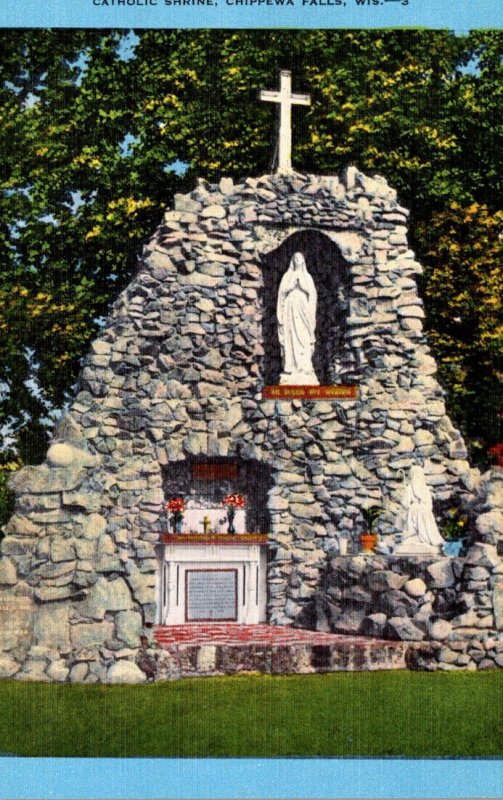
[497, 451]
[176, 505]
[234, 501]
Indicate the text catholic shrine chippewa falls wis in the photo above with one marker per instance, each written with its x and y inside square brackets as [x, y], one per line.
[255, 469]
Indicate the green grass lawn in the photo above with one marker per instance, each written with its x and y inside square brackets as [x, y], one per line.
[340, 714]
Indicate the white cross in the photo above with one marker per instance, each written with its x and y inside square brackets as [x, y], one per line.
[286, 100]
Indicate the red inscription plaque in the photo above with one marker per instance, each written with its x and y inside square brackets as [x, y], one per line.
[214, 472]
[283, 392]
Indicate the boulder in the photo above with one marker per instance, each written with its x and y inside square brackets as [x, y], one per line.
[383, 580]
[490, 526]
[91, 634]
[128, 627]
[415, 587]
[497, 598]
[404, 629]
[78, 672]
[8, 666]
[441, 574]
[125, 672]
[374, 625]
[51, 627]
[108, 595]
[58, 671]
[348, 621]
[8, 575]
[440, 629]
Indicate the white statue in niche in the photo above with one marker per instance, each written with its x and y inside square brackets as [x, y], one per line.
[421, 536]
[296, 312]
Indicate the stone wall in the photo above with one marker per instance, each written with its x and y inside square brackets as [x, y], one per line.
[453, 605]
[177, 373]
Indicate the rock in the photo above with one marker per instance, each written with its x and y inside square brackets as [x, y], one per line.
[278, 503]
[415, 587]
[108, 595]
[60, 455]
[128, 627]
[19, 525]
[490, 526]
[94, 526]
[497, 598]
[101, 348]
[374, 625]
[397, 604]
[347, 621]
[441, 574]
[226, 185]
[58, 671]
[404, 629]
[383, 580]
[447, 656]
[486, 663]
[62, 550]
[143, 585]
[216, 211]
[125, 672]
[484, 554]
[8, 574]
[90, 634]
[8, 666]
[196, 443]
[422, 656]
[440, 629]
[51, 626]
[79, 672]
[33, 670]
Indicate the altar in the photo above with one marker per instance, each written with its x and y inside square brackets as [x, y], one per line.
[212, 578]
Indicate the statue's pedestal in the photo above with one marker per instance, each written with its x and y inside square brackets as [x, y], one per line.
[416, 548]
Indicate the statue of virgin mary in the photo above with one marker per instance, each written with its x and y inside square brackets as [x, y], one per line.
[421, 535]
[296, 312]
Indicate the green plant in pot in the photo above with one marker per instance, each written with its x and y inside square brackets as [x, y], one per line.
[455, 531]
[368, 539]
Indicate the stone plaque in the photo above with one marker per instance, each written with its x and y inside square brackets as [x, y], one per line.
[211, 595]
[16, 621]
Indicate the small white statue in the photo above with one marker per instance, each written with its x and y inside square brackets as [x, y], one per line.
[296, 312]
[421, 536]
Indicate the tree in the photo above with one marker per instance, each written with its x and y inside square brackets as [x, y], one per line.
[463, 253]
[91, 138]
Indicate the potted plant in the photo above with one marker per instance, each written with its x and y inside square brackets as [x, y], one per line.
[454, 531]
[368, 539]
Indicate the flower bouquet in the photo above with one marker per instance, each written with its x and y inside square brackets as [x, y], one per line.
[231, 502]
[176, 506]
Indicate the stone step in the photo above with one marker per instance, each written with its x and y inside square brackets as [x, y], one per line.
[226, 649]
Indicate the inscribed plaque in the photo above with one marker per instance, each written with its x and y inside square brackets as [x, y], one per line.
[211, 594]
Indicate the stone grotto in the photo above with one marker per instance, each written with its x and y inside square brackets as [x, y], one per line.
[182, 396]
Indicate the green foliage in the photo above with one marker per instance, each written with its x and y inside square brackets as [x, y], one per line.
[370, 516]
[463, 255]
[88, 140]
[455, 525]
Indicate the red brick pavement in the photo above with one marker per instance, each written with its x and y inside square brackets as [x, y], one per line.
[272, 635]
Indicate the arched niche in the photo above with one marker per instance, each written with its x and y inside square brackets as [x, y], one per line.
[330, 272]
